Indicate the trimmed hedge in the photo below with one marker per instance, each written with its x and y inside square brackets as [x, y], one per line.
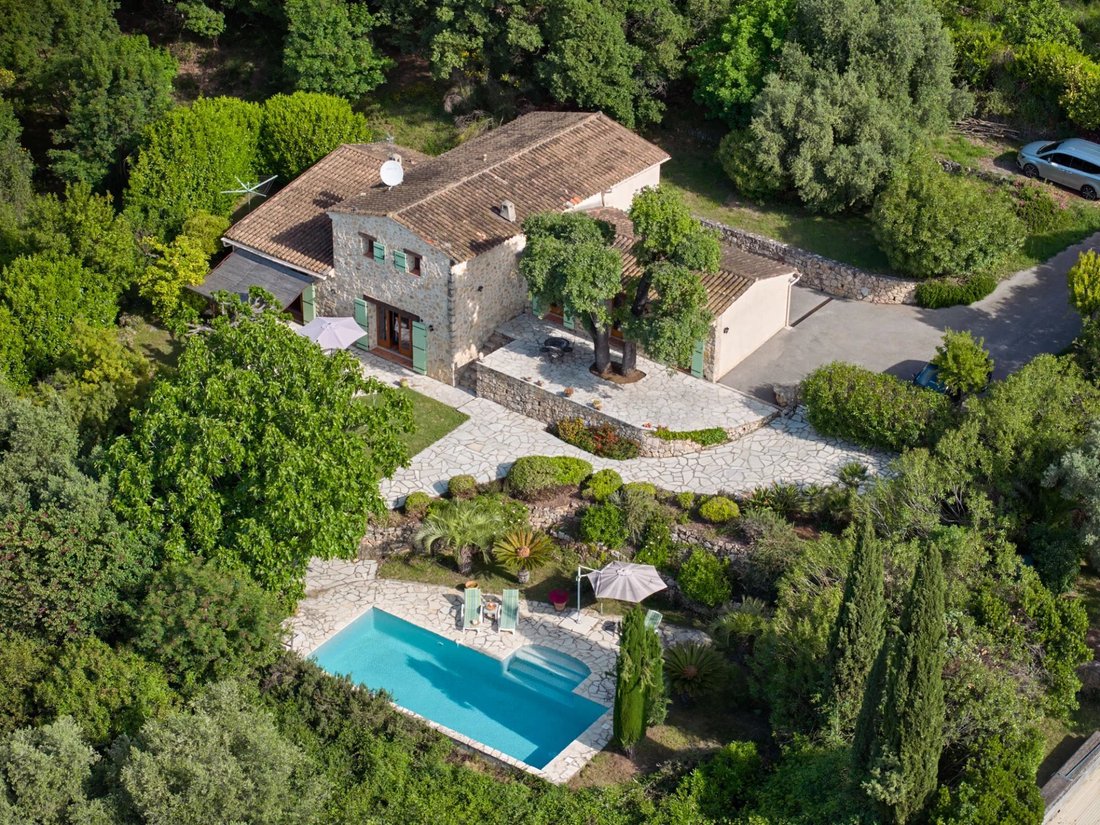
[706, 437]
[719, 510]
[948, 292]
[534, 475]
[872, 409]
[462, 486]
[417, 504]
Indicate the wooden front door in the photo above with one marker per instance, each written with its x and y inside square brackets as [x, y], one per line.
[395, 330]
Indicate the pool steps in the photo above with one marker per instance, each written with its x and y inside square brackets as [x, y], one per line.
[546, 666]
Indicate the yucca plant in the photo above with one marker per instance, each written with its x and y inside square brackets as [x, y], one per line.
[460, 527]
[522, 551]
[694, 670]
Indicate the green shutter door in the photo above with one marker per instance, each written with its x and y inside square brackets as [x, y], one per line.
[361, 316]
[420, 347]
[537, 309]
[379, 252]
[399, 260]
[567, 320]
[309, 311]
[697, 359]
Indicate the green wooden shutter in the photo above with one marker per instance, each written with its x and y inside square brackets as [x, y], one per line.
[537, 309]
[697, 359]
[420, 347]
[379, 252]
[567, 320]
[309, 310]
[399, 260]
[361, 318]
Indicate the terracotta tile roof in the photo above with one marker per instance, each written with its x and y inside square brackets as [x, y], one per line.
[738, 270]
[293, 224]
[540, 161]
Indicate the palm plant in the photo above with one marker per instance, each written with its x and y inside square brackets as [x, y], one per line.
[522, 551]
[460, 527]
[694, 670]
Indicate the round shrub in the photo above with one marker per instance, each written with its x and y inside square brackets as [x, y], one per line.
[948, 292]
[931, 223]
[686, 500]
[462, 486]
[417, 504]
[601, 485]
[604, 524]
[719, 510]
[657, 545]
[704, 578]
[643, 487]
[535, 475]
[1037, 209]
[872, 409]
[737, 154]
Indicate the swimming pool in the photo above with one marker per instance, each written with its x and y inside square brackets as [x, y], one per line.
[524, 706]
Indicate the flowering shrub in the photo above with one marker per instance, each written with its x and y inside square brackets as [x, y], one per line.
[599, 439]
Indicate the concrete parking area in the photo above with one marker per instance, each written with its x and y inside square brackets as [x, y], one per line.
[1027, 314]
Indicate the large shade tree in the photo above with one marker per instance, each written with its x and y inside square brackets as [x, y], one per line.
[261, 452]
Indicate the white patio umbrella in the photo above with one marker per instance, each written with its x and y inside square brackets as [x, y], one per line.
[332, 333]
[624, 581]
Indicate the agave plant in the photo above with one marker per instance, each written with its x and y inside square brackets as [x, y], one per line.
[460, 527]
[694, 670]
[522, 551]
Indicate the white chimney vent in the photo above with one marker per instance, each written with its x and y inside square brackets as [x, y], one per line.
[508, 211]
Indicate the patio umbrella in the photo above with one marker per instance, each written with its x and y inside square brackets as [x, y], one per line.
[332, 333]
[626, 582]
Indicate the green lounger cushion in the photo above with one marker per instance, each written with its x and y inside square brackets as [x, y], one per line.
[509, 610]
[471, 611]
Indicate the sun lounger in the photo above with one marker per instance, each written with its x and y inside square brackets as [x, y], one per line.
[471, 610]
[653, 620]
[509, 612]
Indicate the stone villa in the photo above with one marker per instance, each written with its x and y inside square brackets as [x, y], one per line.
[429, 266]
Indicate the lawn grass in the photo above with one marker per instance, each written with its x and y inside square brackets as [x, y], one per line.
[960, 149]
[154, 343]
[431, 420]
[409, 109]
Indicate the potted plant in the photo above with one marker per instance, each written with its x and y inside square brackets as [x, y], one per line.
[559, 598]
[568, 392]
[523, 550]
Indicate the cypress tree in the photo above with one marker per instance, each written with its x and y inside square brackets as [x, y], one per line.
[908, 738]
[630, 688]
[656, 701]
[858, 633]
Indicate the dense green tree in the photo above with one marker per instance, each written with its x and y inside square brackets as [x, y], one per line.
[115, 89]
[328, 48]
[931, 223]
[106, 692]
[568, 261]
[204, 624]
[963, 362]
[183, 263]
[1084, 284]
[260, 452]
[1076, 474]
[730, 65]
[667, 305]
[298, 130]
[23, 663]
[855, 87]
[476, 40]
[858, 633]
[907, 737]
[45, 774]
[220, 761]
[632, 680]
[190, 157]
[16, 166]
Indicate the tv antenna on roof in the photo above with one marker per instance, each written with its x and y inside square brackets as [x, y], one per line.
[257, 190]
[392, 173]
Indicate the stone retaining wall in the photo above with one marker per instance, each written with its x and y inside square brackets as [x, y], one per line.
[833, 277]
[540, 404]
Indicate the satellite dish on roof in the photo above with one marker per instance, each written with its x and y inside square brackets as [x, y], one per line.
[392, 172]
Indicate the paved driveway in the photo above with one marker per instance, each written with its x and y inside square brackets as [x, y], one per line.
[1027, 314]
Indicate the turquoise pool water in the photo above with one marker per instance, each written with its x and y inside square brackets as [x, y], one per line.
[523, 707]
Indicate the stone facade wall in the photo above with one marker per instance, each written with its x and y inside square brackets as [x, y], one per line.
[542, 405]
[487, 291]
[357, 276]
[819, 272]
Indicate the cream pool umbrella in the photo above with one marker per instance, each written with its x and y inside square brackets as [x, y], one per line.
[332, 333]
[623, 581]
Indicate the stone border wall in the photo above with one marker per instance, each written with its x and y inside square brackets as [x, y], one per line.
[545, 406]
[833, 277]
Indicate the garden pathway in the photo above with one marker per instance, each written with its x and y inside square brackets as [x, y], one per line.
[338, 592]
[785, 450]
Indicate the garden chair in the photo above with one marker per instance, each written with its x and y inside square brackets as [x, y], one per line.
[653, 620]
[509, 612]
[471, 610]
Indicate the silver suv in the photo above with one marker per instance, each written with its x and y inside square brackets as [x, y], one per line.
[1074, 163]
